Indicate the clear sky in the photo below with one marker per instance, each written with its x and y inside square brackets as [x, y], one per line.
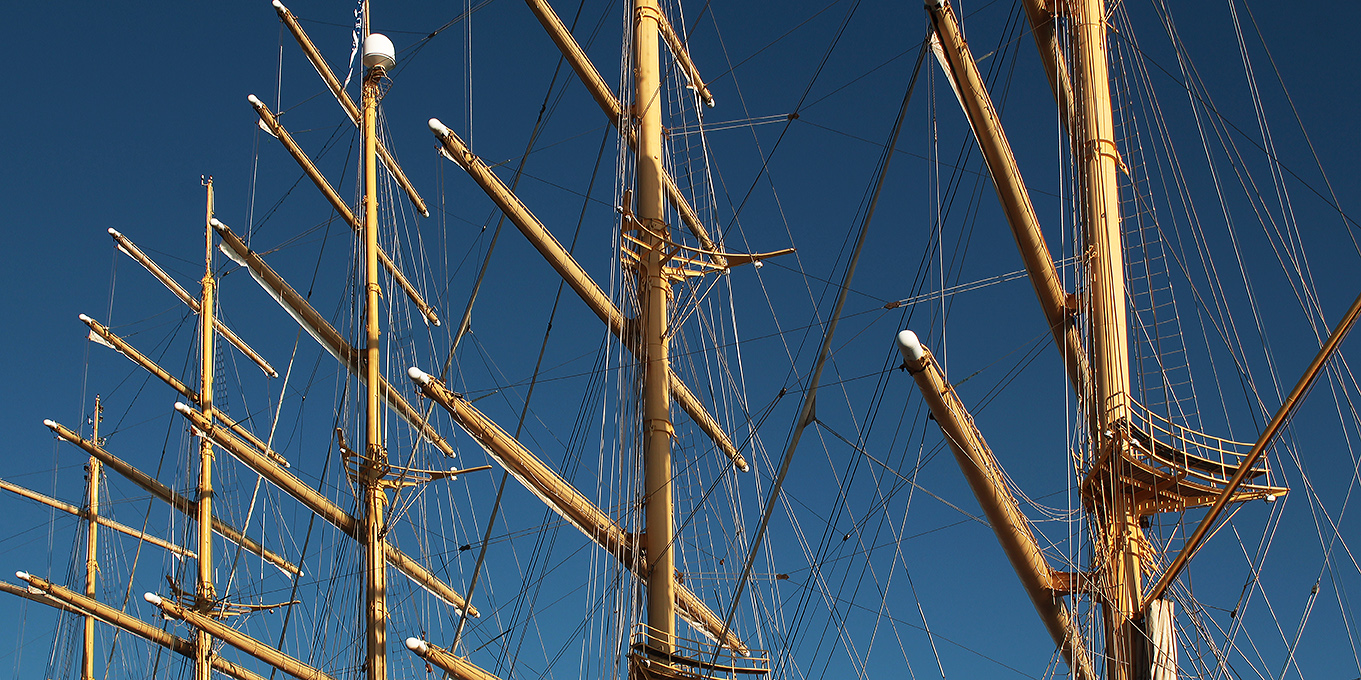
[116, 110]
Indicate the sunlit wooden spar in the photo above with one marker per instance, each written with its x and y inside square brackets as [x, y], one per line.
[175, 499]
[373, 467]
[1264, 442]
[1041, 15]
[985, 479]
[1134, 466]
[456, 666]
[205, 593]
[323, 507]
[654, 258]
[1133, 463]
[1120, 533]
[46, 592]
[92, 515]
[101, 334]
[609, 104]
[324, 70]
[577, 278]
[322, 331]
[1111, 497]
[127, 246]
[237, 639]
[563, 498]
[653, 285]
[1059, 306]
[93, 476]
[271, 122]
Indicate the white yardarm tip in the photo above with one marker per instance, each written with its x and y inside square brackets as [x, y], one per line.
[153, 598]
[50, 424]
[254, 101]
[216, 224]
[745, 468]
[418, 375]
[21, 575]
[279, 5]
[114, 232]
[417, 645]
[85, 318]
[183, 407]
[910, 346]
[438, 128]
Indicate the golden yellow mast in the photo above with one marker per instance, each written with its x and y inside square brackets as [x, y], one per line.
[378, 56]
[654, 291]
[206, 592]
[95, 468]
[1120, 578]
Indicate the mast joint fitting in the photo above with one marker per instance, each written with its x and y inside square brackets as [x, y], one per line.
[659, 425]
[648, 12]
[1106, 147]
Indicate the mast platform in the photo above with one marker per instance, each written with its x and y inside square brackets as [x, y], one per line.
[690, 659]
[1171, 468]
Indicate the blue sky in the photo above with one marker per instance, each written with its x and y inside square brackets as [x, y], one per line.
[117, 110]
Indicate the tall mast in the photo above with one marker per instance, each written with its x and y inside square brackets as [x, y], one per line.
[1112, 501]
[378, 56]
[95, 468]
[206, 592]
[653, 295]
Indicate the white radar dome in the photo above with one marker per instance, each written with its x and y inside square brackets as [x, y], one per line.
[378, 51]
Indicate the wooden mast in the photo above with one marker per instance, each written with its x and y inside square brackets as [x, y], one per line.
[375, 464]
[1121, 539]
[94, 470]
[206, 592]
[653, 295]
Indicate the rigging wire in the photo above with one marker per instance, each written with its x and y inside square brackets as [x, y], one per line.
[806, 414]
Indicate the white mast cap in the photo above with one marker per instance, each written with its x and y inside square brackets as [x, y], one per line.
[378, 51]
[910, 346]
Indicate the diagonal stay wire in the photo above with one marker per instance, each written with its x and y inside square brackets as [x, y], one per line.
[860, 450]
[505, 475]
[466, 321]
[806, 413]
